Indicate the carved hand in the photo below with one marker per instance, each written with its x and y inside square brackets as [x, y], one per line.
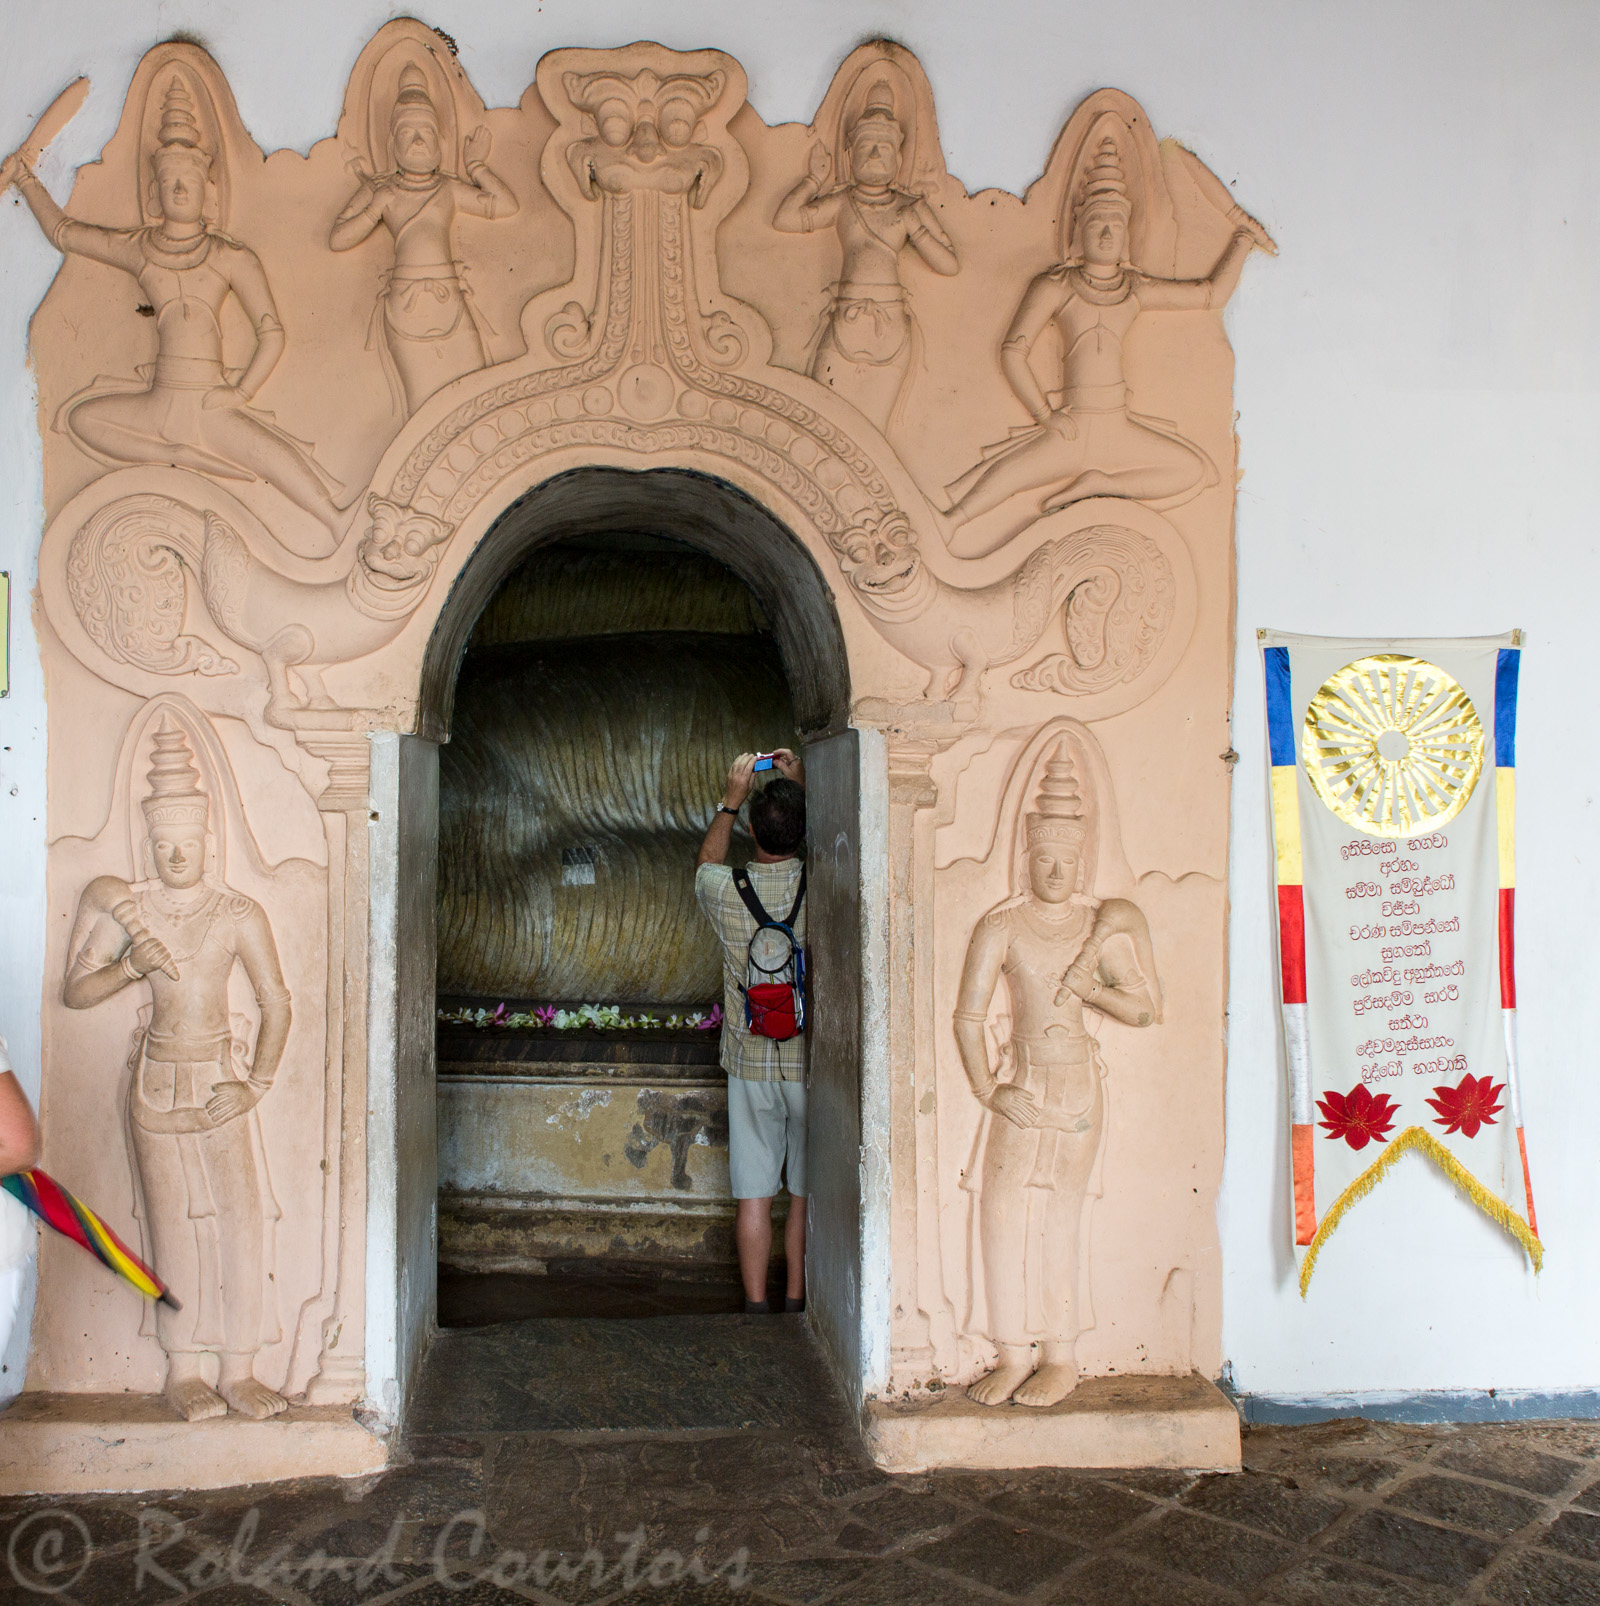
[819, 166]
[231, 1099]
[1081, 979]
[1015, 1103]
[11, 170]
[148, 953]
[476, 150]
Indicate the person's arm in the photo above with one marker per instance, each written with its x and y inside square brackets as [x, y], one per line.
[930, 241]
[1195, 295]
[719, 837]
[359, 218]
[802, 210]
[1131, 998]
[248, 280]
[115, 247]
[485, 194]
[1040, 304]
[106, 955]
[19, 1132]
[259, 954]
[986, 953]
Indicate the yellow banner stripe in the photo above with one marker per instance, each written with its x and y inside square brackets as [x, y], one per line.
[1505, 796]
[1286, 822]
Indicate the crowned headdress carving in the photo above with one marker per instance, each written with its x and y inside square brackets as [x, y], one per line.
[180, 128]
[1104, 186]
[877, 115]
[175, 797]
[413, 95]
[185, 98]
[1058, 814]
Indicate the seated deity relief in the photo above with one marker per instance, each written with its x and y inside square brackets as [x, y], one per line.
[1065, 955]
[205, 1200]
[1085, 439]
[188, 409]
[426, 327]
[871, 190]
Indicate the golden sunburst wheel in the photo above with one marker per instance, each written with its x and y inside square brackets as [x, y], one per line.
[1392, 745]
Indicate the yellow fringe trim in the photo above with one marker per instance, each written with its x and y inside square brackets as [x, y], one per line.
[1414, 1137]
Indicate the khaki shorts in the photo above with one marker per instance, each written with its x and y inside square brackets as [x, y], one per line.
[766, 1128]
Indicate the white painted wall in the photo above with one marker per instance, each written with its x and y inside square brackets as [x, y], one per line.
[1418, 411]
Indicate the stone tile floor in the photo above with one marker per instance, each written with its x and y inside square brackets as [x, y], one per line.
[790, 1513]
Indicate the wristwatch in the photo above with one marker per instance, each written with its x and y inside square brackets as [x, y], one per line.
[722, 808]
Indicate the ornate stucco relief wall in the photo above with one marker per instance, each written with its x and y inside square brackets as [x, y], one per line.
[283, 398]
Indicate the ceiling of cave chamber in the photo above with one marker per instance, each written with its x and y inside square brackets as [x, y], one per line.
[606, 688]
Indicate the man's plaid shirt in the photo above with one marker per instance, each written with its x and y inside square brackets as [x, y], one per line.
[754, 1059]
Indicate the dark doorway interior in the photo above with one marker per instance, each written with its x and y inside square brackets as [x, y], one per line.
[607, 684]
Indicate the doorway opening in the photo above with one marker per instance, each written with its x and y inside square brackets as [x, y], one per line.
[583, 1125]
[616, 638]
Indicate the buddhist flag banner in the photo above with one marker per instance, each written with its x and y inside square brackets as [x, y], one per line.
[1393, 806]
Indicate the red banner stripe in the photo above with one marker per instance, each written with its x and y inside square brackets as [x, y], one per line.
[1508, 957]
[1292, 942]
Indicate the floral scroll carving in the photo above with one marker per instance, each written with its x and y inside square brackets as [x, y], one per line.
[125, 573]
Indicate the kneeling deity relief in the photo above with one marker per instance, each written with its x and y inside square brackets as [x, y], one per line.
[283, 398]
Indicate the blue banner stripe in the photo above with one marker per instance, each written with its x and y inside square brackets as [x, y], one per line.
[1280, 720]
[1505, 707]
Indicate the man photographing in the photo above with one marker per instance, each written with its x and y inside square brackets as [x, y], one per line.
[766, 1066]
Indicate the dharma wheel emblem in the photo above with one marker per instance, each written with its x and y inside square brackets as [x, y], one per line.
[1392, 745]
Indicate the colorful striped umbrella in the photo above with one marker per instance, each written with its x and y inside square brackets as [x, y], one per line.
[73, 1219]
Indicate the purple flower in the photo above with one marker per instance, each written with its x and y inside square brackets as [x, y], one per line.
[499, 1016]
[545, 1014]
[711, 1021]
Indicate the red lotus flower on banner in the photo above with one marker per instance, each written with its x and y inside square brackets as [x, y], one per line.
[1359, 1117]
[1475, 1103]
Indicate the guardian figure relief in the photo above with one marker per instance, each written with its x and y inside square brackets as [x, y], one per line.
[1062, 952]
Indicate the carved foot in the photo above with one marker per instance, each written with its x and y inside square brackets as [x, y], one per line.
[250, 1398]
[996, 1387]
[1051, 1384]
[195, 1400]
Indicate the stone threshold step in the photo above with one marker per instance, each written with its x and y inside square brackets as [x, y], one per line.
[1186, 1423]
[122, 1443]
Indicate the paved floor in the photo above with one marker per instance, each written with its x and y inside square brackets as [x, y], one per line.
[513, 1494]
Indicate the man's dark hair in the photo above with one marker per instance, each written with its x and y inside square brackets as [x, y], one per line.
[778, 816]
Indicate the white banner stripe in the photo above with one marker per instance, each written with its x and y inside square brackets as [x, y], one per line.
[1297, 1051]
[1508, 1021]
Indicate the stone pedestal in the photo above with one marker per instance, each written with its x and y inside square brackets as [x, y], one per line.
[1181, 1422]
[105, 1443]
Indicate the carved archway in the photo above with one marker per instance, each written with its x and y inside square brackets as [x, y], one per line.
[709, 514]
